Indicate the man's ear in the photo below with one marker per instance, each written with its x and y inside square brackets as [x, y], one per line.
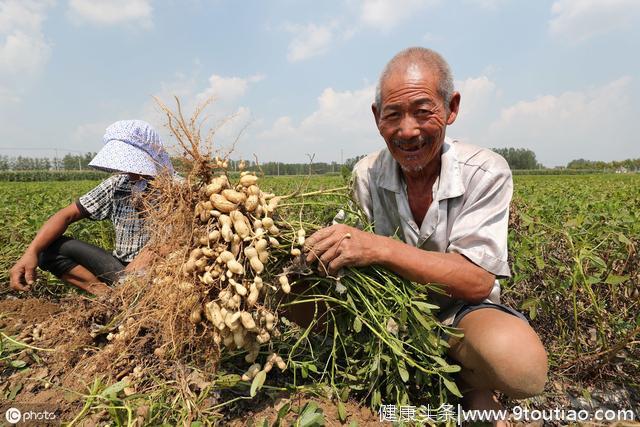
[454, 106]
[376, 113]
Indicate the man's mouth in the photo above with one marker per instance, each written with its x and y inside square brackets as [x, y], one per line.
[409, 146]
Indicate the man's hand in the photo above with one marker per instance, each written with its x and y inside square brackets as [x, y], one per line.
[141, 261]
[341, 246]
[23, 273]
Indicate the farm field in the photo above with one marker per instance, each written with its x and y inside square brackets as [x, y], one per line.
[573, 245]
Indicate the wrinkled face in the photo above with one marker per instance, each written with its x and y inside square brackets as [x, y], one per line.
[413, 117]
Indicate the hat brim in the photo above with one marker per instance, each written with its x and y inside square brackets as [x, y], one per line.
[118, 156]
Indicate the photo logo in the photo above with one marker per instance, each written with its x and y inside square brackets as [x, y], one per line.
[13, 415]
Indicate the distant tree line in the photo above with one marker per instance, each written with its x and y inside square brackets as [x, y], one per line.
[518, 159]
[631, 165]
[68, 162]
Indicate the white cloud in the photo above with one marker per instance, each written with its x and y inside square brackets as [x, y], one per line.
[227, 88]
[282, 128]
[223, 114]
[386, 14]
[23, 47]
[579, 20]
[488, 4]
[309, 40]
[315, 39]
[597, 123]
[431, 38]
[8, 97]
[475, 94]
[342, 121]
[112, 12]
[90, 135]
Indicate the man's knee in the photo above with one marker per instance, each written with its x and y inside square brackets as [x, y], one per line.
[501, 352]
[525, 373]
[52, 259]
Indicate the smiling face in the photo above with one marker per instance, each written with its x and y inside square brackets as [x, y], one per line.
[413, 116]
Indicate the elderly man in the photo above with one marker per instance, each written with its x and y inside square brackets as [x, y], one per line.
[448, 202]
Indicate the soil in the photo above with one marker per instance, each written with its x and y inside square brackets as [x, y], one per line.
[16, 313]
[268, 411]
[64, 326]
[70, 327]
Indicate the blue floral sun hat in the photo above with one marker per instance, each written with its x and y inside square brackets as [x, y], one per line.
[132, 146]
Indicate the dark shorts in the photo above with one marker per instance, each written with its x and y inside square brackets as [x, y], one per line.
[65, 253]
[468, 308]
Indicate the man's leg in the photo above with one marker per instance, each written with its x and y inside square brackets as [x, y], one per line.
[81, 264]
[82, 278]
[501, 352]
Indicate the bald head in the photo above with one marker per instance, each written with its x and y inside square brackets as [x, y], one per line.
[416, 58]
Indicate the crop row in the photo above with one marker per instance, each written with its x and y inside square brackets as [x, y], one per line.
[573, 245]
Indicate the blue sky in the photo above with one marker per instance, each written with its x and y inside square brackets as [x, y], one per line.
[558, 77]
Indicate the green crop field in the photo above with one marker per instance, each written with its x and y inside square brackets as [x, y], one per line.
[573, 245]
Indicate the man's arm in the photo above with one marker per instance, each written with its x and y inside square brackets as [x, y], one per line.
[23, 273]
[341, 246]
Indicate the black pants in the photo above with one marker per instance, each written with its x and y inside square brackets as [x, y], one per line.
[65, 253]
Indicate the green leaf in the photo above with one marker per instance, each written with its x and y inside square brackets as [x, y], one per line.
[623, 239]
[376, 398]
[257, 383]
[228, 380]
[592, 280]
[113, 390]
[599, 261]
[342, 412]
[540, 263]
[282, 412]
[344, 395]
[402, 370]
[18, 364]
[421, 319]
[613, 279]
[440, 360]
[529, 302]
[450, 369]
[357, 325]
[452, 387]
[310, 416]
[15, 390]
[425, 306]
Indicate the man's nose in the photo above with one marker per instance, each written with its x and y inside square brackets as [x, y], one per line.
[408, 128]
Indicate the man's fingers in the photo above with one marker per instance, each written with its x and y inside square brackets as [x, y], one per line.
[336, 265]
[329, 255]
[15, 279]
[30, 275]
[318, 250]
[319, 235]
[15, 282]
[325, 238]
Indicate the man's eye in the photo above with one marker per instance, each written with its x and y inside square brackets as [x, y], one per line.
[423, 112]
[391, 116]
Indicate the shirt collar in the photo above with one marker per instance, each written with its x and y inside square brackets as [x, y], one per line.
[449, 182]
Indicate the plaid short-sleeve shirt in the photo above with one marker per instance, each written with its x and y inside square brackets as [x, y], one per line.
[112, 200]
